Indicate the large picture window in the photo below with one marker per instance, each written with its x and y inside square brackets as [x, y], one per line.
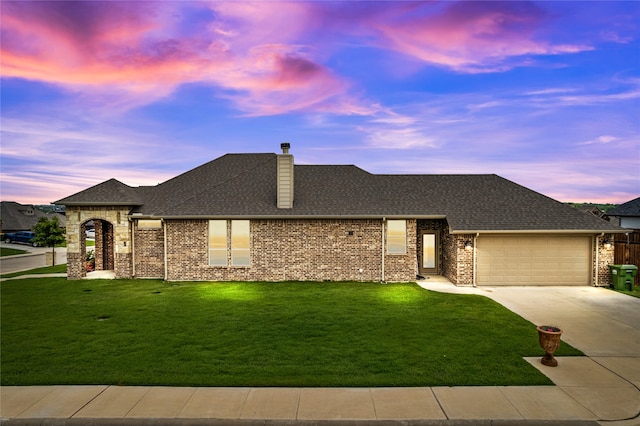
[396, 236]
[237, 243]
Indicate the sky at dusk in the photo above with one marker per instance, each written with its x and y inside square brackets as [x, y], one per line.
[546, 94]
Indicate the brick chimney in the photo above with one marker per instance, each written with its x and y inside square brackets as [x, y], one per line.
[285, 178]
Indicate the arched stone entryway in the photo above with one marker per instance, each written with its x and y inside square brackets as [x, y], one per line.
[112, 236]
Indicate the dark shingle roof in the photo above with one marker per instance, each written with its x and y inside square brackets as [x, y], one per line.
[630, 208]
[244, 185]
[22, 217]
[111, 192]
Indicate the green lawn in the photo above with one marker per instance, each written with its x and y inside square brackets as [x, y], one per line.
[634, 293]
[149, 332]
[6, 251]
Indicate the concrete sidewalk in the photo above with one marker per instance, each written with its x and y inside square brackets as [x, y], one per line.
[438, 405]
[601, 388]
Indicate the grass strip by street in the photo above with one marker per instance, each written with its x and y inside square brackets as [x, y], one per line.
[6, 251]
[150, 332]
[57, 269]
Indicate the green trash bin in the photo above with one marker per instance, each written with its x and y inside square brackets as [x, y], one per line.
[622, 276]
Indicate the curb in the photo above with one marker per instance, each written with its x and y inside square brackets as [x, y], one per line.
[243, 422]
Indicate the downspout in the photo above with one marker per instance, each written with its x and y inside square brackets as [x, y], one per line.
[164, 229]
[382, 277]
[475, 258]
[133, 247]
[597, 280]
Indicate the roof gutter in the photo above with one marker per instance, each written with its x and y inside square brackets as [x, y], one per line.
[475, 259]
[382, 280]
[538, 231]
[100, 204]
[283, 217]
[164, 234]
[133, 246]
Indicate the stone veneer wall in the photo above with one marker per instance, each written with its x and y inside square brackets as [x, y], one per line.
[605, 258]
[76, 266]
[76, 251]
[305, 250]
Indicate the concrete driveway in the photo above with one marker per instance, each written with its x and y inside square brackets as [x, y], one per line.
[598, 321]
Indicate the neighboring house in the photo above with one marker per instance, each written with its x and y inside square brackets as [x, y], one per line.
[595, 210]
[627, 247]
[16, 217]
[258, 217]
[627, 215]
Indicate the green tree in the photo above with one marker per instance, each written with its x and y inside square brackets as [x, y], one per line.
[48, 234]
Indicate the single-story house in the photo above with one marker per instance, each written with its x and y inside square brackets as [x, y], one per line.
[23, 217]
[627, 215]
[261, 217]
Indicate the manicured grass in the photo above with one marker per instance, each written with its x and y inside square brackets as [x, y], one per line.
[149, 332]
[6, 251]
[57, 269]
[635, 293]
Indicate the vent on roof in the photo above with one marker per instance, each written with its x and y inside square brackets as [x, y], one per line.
[285, 178]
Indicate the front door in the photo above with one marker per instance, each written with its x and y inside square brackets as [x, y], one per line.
[429, 253]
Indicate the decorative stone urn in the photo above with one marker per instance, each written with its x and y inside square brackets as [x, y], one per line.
[549, 337]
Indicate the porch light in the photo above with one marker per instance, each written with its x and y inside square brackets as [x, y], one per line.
[467, 245]
[607, 243]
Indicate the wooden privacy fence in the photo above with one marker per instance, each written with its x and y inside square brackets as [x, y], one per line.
[627, 251]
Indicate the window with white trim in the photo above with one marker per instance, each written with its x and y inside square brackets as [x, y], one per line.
[396, 236]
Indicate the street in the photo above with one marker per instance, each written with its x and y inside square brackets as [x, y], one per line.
[35, 258]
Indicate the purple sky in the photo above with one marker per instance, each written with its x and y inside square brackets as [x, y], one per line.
[546, 94]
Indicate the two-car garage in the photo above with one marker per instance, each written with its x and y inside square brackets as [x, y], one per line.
[533, 260]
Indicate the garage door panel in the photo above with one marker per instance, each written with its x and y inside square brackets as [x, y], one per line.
[533, 260]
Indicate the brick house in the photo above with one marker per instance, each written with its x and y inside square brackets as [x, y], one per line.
[260, 217]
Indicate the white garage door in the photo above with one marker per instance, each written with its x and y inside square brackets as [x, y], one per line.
[539, 260]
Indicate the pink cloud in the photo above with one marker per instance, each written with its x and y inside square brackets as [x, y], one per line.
[468, 36]
[266, 57]
[139, 51]
[93, 44]
[280, 81]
